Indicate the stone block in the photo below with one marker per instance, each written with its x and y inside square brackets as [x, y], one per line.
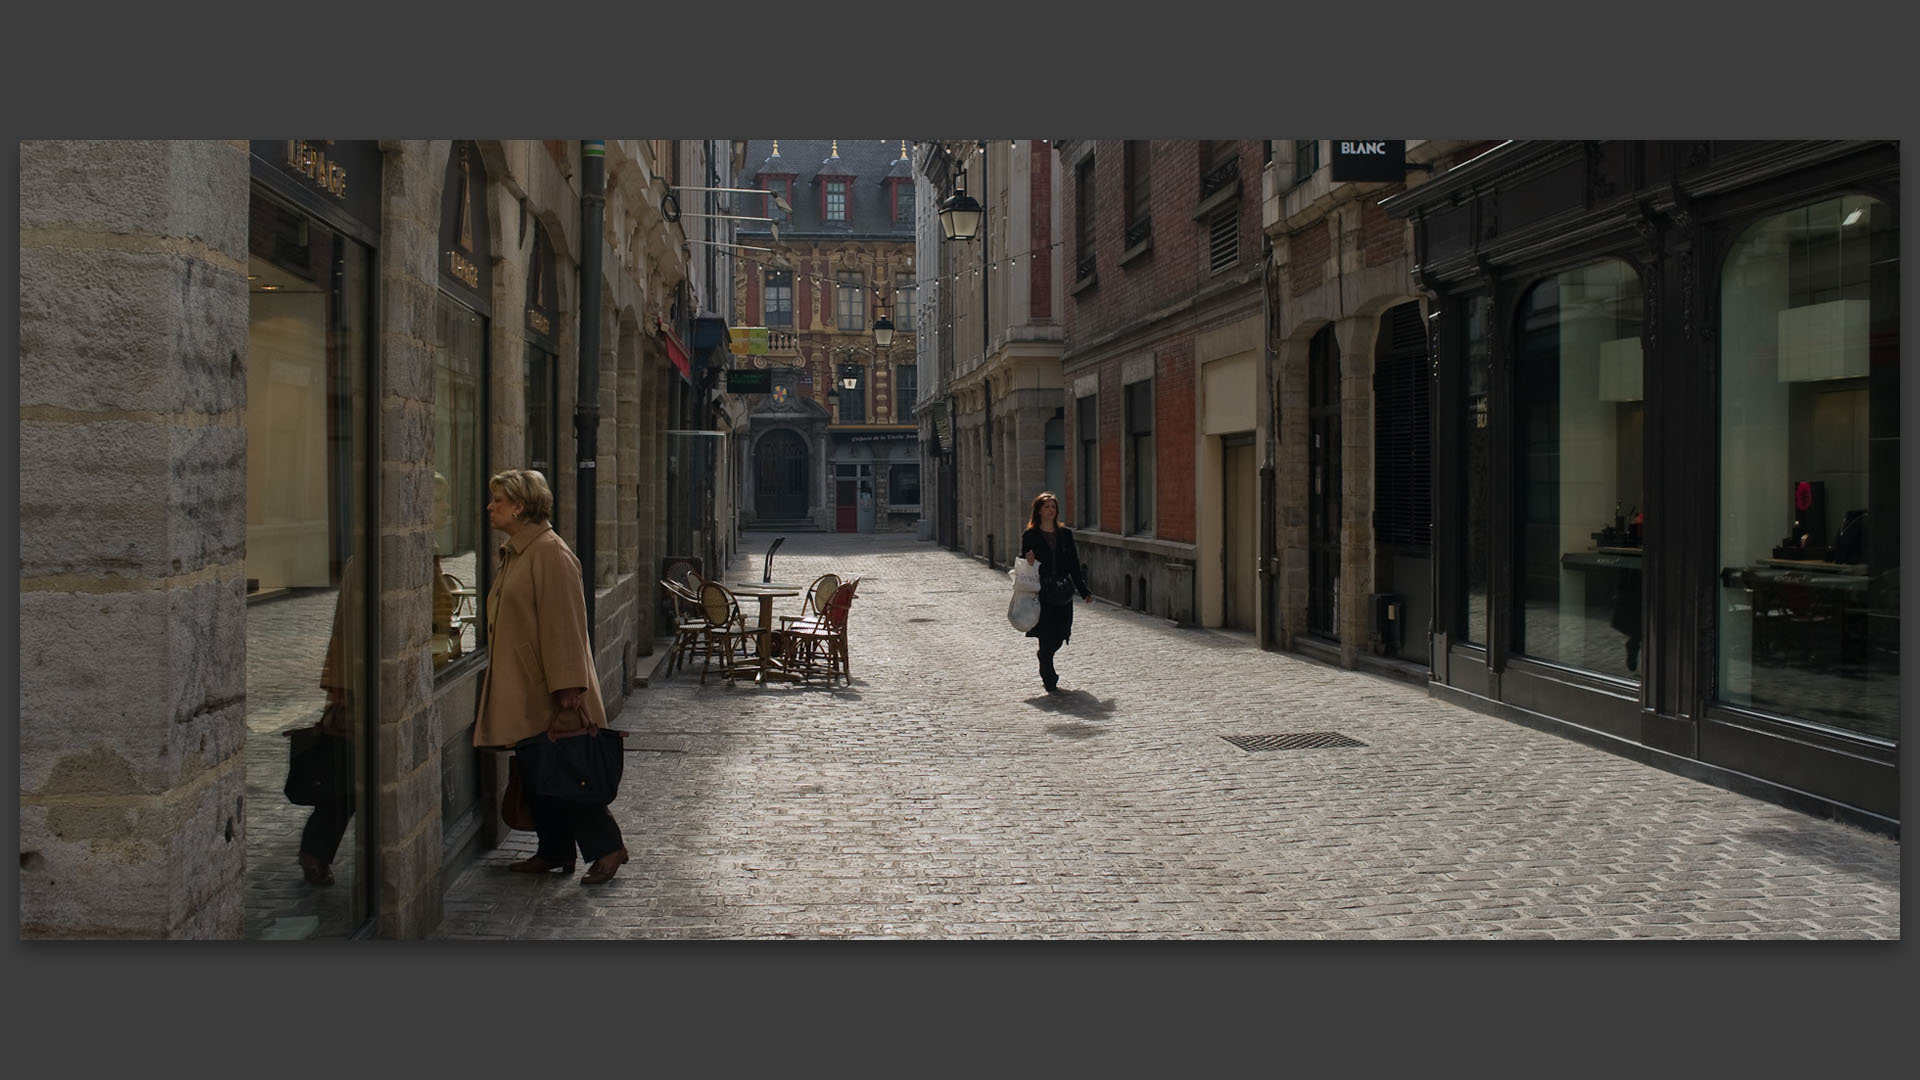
[80, 715]
[406, 435]
[91, 498]
[148, 869]
[96, 328]
[205, 497]
[110, 185]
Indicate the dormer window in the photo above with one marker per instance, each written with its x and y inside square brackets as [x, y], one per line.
[836, 204]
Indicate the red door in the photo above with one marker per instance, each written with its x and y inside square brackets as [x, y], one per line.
[846, 506]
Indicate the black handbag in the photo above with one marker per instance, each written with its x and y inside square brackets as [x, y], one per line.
[581, 766]
[319, 762]
[1056, 590]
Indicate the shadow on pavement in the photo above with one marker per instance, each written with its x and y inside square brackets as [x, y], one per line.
[1074, 703]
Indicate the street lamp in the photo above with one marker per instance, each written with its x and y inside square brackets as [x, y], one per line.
[960, 213]
[883, 332]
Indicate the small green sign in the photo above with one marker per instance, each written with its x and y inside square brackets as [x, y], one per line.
[749, 382]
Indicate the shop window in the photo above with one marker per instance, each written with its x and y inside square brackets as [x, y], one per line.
[1579, 423]
[903, 486]
[309, 295]
[1809, 622]
[1139, 475]
[459, 477]
[853, 300]
[1477, 463]
[777, 302]
[543, 383]
[1086, 492]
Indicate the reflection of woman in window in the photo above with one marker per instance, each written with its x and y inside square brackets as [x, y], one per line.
[333, 806]
[445, 644]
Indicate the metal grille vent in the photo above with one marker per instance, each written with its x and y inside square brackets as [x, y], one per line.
[1293, 740]
[1223, 241]
[1403, 436]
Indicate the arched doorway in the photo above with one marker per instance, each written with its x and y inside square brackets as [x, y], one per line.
[780, 477]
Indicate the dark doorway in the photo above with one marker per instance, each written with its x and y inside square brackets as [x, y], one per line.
[780, 477]
[846, 505]
[1402, 477]
[1323, 485]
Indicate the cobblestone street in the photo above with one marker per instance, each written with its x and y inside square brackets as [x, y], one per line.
[944, 795]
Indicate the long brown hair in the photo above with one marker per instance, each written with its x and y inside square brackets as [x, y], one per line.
[1033, 515]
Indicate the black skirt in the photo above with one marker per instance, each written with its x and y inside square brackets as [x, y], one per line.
[1056, 621]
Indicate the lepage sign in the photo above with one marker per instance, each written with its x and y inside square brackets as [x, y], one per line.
[1369, 160]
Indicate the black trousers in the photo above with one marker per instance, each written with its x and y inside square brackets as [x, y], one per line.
[562, 826]
[325, 828]
[1048, 646]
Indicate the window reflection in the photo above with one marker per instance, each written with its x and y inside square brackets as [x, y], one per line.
[1579, 427]
[308, 290]
[1809, 485]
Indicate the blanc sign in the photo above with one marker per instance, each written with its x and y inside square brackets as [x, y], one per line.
[1369, 160]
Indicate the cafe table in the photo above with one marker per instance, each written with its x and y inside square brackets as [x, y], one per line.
[767, 592]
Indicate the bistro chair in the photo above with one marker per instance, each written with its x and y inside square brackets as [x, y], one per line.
[817, 645]
[814, 600]
[724, 632]
[689, 623]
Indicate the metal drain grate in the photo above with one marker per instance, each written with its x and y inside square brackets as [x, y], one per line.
[1294, 740]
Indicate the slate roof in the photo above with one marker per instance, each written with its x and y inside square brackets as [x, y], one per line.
[867, 161]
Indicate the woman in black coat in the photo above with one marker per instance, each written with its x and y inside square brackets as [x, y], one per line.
[1061, 575]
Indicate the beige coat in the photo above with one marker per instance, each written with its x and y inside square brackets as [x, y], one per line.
[536, 642]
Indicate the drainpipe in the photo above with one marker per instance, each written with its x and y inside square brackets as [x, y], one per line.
[1264, 621]
[586, 406]
[986, 336]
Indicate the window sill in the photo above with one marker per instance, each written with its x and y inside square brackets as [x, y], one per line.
[1084, 284]
[1137, 251]
[1223, 197]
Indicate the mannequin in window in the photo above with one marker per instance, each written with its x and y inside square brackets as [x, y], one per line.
[445, 644]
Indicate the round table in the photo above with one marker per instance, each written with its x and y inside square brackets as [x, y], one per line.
[767, 592]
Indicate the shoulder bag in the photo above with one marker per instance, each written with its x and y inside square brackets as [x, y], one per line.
[582, 766]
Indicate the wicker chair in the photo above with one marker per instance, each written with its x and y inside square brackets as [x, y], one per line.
[725, 632]
[689, 623]
[817, 645]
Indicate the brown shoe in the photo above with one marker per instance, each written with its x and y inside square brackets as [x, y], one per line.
[603, 868]
[316, 871]
[538, 865]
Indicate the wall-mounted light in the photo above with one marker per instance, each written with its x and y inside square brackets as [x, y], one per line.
[883, 332]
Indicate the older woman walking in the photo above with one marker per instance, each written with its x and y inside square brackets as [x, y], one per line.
[540, 670]
[1061, 575]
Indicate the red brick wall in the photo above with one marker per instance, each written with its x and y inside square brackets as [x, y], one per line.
[1307, 252]
[802, 295]
[753, 316]
[1383, 237]
[1172, 272]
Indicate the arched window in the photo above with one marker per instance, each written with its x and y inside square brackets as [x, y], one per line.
[1579, 468]
[1809, 466]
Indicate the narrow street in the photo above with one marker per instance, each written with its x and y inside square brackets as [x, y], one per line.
[944, 795]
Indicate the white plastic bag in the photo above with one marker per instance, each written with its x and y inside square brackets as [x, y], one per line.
[1023, 611]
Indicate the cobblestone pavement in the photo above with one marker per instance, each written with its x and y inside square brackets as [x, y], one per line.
[943, 795]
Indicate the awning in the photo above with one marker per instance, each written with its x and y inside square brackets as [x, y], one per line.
[677, 353]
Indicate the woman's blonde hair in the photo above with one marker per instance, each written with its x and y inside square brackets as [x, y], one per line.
[528, 488]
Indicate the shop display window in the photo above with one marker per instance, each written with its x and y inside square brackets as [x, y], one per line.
[1578, 470]
[1809, 623]
[459, 481]
[1477, 462]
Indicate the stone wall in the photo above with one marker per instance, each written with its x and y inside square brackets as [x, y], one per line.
[133, 336]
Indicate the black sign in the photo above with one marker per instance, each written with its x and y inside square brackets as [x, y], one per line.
[338, 181]
[749, 382]
[1369, 160]
[465, 255]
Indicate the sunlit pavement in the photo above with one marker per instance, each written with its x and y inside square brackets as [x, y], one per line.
[944, 795]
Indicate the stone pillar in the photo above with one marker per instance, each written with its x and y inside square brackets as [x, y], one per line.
[133, 338]
[408, 840]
